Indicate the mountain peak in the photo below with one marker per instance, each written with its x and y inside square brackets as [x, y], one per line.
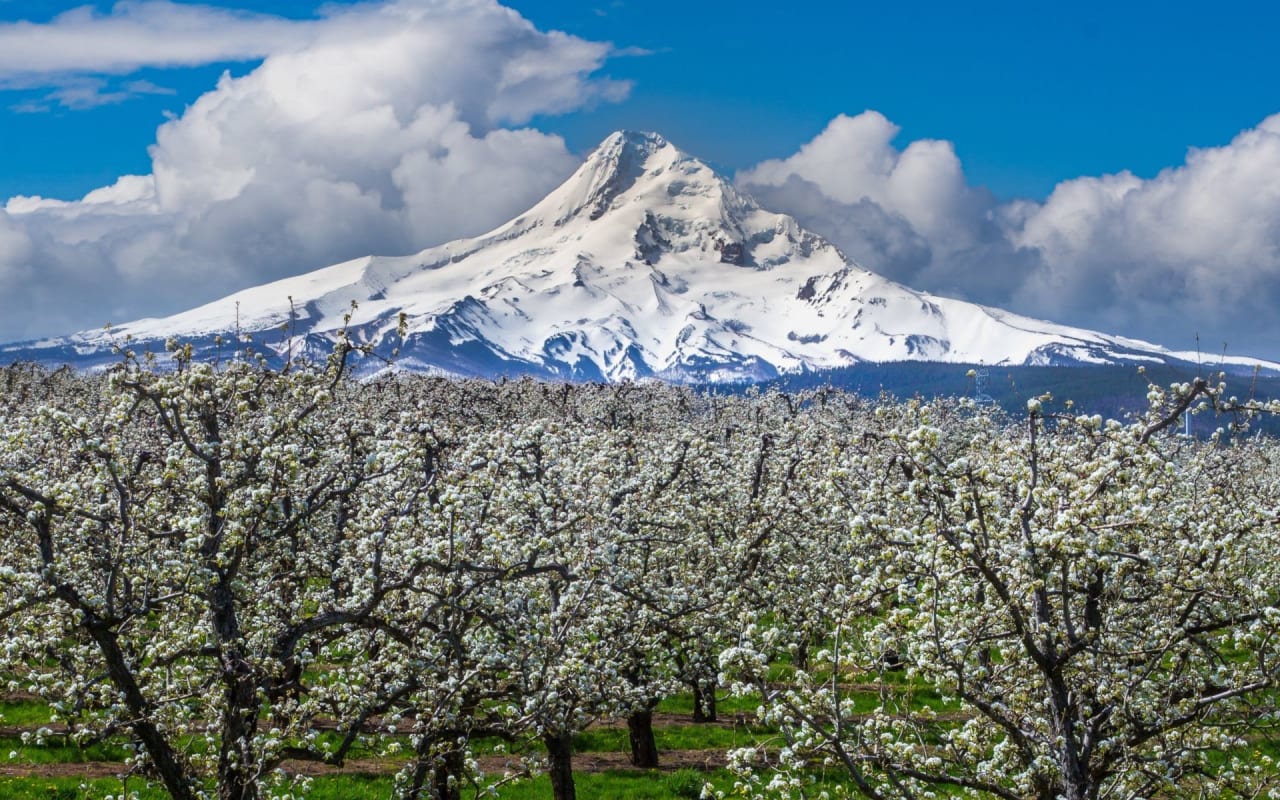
[643, 143]
[613, 168]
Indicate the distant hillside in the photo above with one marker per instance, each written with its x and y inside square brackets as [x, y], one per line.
[1114, 391]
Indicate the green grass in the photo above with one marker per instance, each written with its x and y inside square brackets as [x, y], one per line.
[24, 713]
[710, 737]
[351, 787]
[59, 750]
[623, 785]
[71, 789]
[342, 787]
[726, 705]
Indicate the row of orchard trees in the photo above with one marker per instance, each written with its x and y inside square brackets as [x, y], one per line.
[1100, 600]
[235, 567]
[223, 563]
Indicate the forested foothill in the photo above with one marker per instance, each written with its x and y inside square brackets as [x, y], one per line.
[1116, 391]
[227, 571]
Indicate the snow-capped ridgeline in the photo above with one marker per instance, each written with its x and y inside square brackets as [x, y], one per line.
[646, 262]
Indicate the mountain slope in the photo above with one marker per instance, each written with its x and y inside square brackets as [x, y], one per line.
[645, 262]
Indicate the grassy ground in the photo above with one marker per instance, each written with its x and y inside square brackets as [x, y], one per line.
[56, 768]
[69, 788]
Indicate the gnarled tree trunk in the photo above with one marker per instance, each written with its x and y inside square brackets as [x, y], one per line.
[704, 701]
[560, 765]
[644, 748]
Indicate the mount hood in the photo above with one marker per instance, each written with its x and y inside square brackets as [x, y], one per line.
[645, 263]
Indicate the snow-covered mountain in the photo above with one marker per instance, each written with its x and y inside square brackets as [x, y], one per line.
[645, 262]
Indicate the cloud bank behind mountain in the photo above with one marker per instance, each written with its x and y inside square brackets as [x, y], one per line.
[1193, 250]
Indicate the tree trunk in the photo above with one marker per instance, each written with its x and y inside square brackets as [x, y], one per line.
[644, 748]
[237, 769]
[437, 775]
[441, 762]
[560, 765]
[704, 701]
[801, 659]
[448, 777]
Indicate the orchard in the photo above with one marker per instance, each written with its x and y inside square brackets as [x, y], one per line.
[230, 569]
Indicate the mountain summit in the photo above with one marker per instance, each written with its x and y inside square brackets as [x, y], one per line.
[645, 262]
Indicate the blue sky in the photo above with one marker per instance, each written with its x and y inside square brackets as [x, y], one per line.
[1030, 93]
[1029, 155]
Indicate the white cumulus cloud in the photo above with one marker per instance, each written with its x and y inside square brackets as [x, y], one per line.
[391, 127]
[855, 159]
[141, 33]
[1203, 235]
